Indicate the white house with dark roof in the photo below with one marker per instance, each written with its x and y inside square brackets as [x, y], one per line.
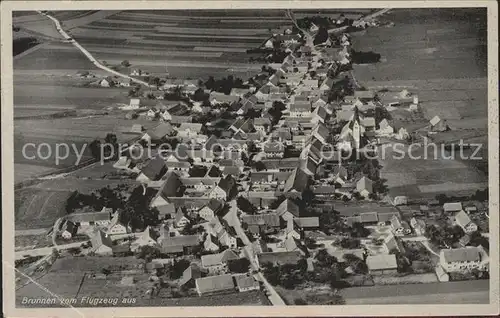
[217, 263]
[364, 187]
[300, 109]
[463, 220]
[464, 259]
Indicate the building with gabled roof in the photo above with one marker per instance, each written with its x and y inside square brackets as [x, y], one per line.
[217, 263]
[382, 264]
[437, 124]
[288, 210]
[463, 220]
[298, 181]
[464, 259]
[101, 243]
[364, 187]
[213, 284]
[190, 275]
[452, 207]
[153, 171]
[245, 282]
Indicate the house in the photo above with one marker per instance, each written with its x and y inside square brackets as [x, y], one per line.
[437, 124]
[261, 222]
[298, 181]
[452, 207]
[116, 227]
[166, 210]
[217, 98]
[190, 275]
[245, 282]
[273, 149]
[340, 174]
[223, 190]
[147, 237]
[137, 129]
[464, 259]
[307, 223]
[242, 125]
[300, 109]
[385, 129]
[288, 210]
[418, 226]
[101, 243]
[262, 124]
[382, 264]
[213, 284]
[158, 133]
[178, 245]
[189, 130]
[368, 95]
[327, 84]
[178, 120]
[399, 227]
[181, 220]
[210, 244]
[280, 258]
[70, 230]
[216, 264]
[309, 166]
[153, 171]
[319, 115]
[394, 99]
[134, 103]
[90, 219]
[353, 131]
[209, 211]
[364, 187]
[239, 92]
[463, 220]
[170, 188]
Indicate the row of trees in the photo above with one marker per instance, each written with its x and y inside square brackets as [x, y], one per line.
[134, 209]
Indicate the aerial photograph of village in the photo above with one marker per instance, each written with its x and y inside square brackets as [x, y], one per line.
[251, 157]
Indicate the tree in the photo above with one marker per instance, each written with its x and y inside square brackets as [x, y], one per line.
[95, 149]
[245, 205]
[350, 243]
[198, 171]
[476, 239]
[276, 203]
[240, 265]
[321, 36]
[299, 302]
[358, 230]
[324, 259]
[148, 253]
[276, 111]
[178, 268]
[125, 63]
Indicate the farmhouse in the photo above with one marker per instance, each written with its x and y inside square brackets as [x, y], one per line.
[244, 283]
[178, 245]
[189, 276]
[153, 171]
[213, 284]
[101, 243]
[382, 264]
[364, 187]
[217, 263]
[464, 259]
[463, 220]
[297, 182]
[437, 124]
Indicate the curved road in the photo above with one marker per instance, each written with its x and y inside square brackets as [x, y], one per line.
[87, 53]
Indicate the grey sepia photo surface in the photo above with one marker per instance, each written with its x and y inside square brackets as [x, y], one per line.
[253, 157]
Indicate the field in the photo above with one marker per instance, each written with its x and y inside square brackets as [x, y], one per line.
[425, 177]
[436, 55]
[432, 293]
[39, 208]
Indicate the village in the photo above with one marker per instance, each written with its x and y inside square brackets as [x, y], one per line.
[272, 184]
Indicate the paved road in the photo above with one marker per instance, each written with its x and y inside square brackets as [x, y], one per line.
[273, 296]
[88, 55]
